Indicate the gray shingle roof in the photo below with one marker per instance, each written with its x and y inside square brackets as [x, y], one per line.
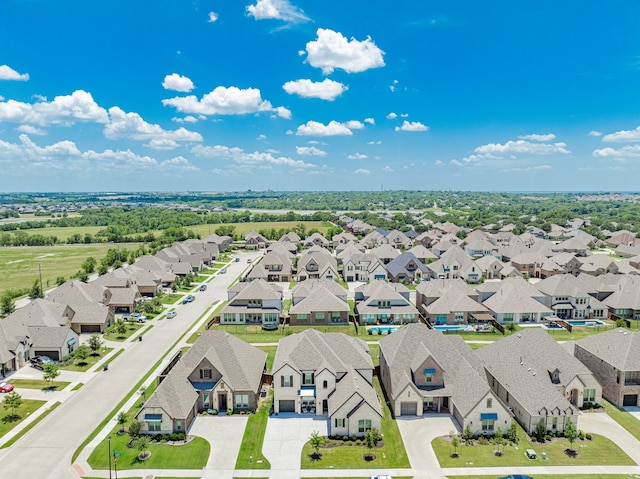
[618, 347]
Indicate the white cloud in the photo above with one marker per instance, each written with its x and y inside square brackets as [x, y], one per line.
[439, 163]
[371, 121]
[404, 115]
[354, 125]
[619, 153]
[412, 126]
[186, 119]
[392, 116]
[325, 90]
[362, 171]
[526, 169]
[63, 110]
[388, 169]
[455, 162]
[31, 130]
[522, 146]
[178, 83]
[226, 101]
[255, 159]
[8, 73]
[535, 137]
[595, 133]
[357, 156]
[623, 136]
[314, 128]
[132, 126]
[213, 17]
[178, 164]
[261, 137]
[379, 142]
[310, 151]
[332, 50]
[276, 10]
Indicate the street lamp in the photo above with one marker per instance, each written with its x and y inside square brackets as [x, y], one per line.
[109, 457]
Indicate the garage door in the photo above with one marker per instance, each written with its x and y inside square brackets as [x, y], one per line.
[287, 406]
[51, 354]
[408, 409]
[90, 328]
[630, 400]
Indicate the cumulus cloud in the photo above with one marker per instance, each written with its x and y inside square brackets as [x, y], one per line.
[618, 153]
[178, 83]
[132, 126]
[379, 142]
[622, 136]
[226, 101]
[245, 159]
[31, 130]
[314, 128]
[177, 164]
[393, 86]
[325, 90]
[186, 119]
[332, 50]
[362, 171]
[595, 133]
[276, 10]
[354, 125]
[213, 17]
[526, 169]
[370, 121]
[392, 116]
[388, 169]
[357, 156]
[535, 137]
[439, 163]
[63, 110]
[522, 146]
[310, 151]
[8, 73]
[412, 126]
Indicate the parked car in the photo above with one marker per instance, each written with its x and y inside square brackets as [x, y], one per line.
[38, 362]
[126, 316]
[203, 287]
[223, 270]
[139, 317]
[191, 298]
[381, 477]
[248, 260]
[237, 259]
[171, 314]
[6, 387]
[516, 476]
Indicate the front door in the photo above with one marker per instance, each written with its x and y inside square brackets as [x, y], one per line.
[325, 406]
[445, 403]
[222, 402]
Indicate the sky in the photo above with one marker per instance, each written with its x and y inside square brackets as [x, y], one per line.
[213, 95]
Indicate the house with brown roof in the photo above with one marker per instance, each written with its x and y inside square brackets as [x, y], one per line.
[317, 263]
[379, 302]
[399, 240]
[327, 374]
[257, 302]
[448, 301]
[254, 240]
[218, 372]
[318, 302]
[425, 372]
[273, 267]
[88, 303]
[316, 239]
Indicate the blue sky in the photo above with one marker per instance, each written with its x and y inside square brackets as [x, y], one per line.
[319, 95]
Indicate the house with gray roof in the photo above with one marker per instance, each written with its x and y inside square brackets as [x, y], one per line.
[513, 300]
[372, 240]
[316, 239]
[273, 267]
[399, 240]
[91, 314]
[15, 346]
[254, 240]
[490, 266]
[385, 252]
[257, 302]
[318, 302]
[405, 267]
[219, 372]
[565, 296]
[479, 248]
[379, 302]
[448, 301]
[363, 267]
[614, 359]
[327, 374]
[424, 254]
[317, 263]
[455, 263]
[539, 379]
[424, 371]
[341, 239]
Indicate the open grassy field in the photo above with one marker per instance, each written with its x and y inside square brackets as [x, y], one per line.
[19, 265]
[63, 233]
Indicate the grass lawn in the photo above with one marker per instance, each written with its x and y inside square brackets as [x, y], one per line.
[38, 384]
[255, 334]
[171, 298]
[192, 455]
[271, 354]
[33, 424]
[88, 363]
[374, 352]
[77, 386]
[19, 265]
[243, 228]
[558, 335]
[253, 438]
[622, 417]
[132, 328]
[391, 455]
[555, 476]
[27, 407]
[599, 451]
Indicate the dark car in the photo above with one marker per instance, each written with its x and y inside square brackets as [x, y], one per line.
[516, 476]
[203, 287]
[38, 362]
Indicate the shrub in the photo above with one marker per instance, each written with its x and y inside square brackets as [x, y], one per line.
[369, 332]
[483, 441]
[548, 437]
[587, 405]
[214, 412]
[134, 428]
[345, 438]
[581, 435]
[353, 438]
[229, 412]
[589, 437]
[379, 332]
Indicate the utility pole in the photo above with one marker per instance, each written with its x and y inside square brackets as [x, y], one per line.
[40, 273]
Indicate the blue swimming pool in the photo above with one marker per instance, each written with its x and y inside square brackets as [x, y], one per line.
[383, 329]
[453, 327]
[588, 323]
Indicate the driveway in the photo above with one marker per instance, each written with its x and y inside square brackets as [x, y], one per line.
[224, 434]
[283, 441]
[601, 423]
[417, 434]
[634, 410]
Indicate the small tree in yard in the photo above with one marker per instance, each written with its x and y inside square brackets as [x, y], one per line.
[512, 433]
[134, 428]
[317, 441]
[7, 305]
[122, 419]
[571, 433]
[94, 343]
[36, 290]
[370, 440]
[540, 431]
[455, 443]
[498, 438]
[50, 371]
[121, 327]
[12, 401]
[141, 444]
[81, 354]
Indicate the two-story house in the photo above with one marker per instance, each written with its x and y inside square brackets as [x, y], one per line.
[362, 267]
[563, 294]
[318, 302]
[379, 302]
[513, 300]
[405, 267]
[448, 301]
[273, 267]
[317, 263]
[256, 302]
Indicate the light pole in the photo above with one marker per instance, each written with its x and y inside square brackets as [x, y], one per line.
[109, 457]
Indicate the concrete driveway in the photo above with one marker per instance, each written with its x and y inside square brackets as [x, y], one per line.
[601, 423]
[224, 433]
[283, 441]
[417, 434]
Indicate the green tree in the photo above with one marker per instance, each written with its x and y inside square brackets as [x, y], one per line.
[498, 438]
[89, 265]
[82, 353]
[455, 443]
[120, 327]
[370, 439]
[7, 305]
[570, 432]
[134, 428]
[12, 401]
[317, 441]
[141, 444]
[95, 343]
[36, 290]
[540, 431]
[60, 280]
[50, 371]
[122, 419]
[512, 433]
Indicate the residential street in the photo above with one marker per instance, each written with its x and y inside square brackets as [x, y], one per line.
[46, 450]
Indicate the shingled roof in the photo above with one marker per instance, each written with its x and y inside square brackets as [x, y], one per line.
[618, 347]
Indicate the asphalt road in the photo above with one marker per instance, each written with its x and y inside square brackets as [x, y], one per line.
[45, 451]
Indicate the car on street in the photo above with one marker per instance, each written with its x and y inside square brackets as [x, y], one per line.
[248, 260]
[38, 362]
[381, 477]
[6, 387]
[223, 270]
[203, 287]
[171, 314]
[516, 476]
[191, 298]
[237, 259]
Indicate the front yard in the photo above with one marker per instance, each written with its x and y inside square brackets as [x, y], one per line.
[113, 335]
[82, 366]
[8, 420]
[39, 384]
[253, 438]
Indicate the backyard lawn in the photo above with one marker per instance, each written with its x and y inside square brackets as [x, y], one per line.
[271, 354]
[255, 334]
[7, 422]
[253, 438]
[391, 455]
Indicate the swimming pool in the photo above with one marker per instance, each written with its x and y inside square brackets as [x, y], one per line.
[383, 329]
[588, 323]
[453, 327]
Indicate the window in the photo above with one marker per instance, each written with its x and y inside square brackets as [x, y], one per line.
[178, 425]
[507, 397]
[205, 374]
[205, 400]
[301, 318]
[589, 395]
[242, 401]
[307, 379]
[554, 423]
[507, 317]
[489, 403]
[325, 384]
[427, 403]
[339, 422]
[364, 425]
[319, 316]
[487, 424]
[154, 425]
[428, 377]
[286, 381]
